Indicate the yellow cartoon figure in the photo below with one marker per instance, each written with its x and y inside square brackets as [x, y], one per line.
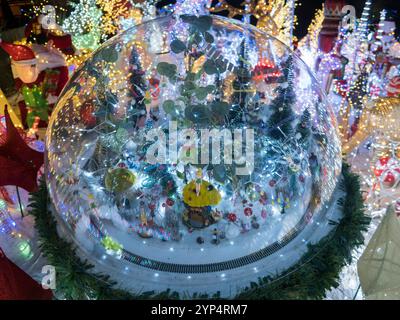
[199, 196]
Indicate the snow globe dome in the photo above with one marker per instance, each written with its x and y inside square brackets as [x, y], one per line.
[190, 145]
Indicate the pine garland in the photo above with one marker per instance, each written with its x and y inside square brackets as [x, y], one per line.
[317, 271]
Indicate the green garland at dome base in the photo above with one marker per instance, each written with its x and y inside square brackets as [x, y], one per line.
[315, 273]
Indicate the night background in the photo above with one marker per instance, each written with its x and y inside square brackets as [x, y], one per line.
[306, 11]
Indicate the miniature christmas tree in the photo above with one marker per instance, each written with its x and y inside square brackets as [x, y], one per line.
[303, 127]
[138, 87]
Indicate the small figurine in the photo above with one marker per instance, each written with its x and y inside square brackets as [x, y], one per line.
[215, 236]
[143, 216]
[199, 179]
[199, 196]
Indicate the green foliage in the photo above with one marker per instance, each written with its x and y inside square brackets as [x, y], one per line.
[177, 46]
[197, 113]
[202, 92]
[167, 69]
[37, 104]
[208, 37]
[171, 108]
[214, 66]
[109, 54]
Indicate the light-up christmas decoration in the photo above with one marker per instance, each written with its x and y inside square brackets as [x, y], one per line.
[118, 191]
[275, 17]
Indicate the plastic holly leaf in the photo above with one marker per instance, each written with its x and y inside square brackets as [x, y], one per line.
[197, 113]
[19, 164]
[180, 175]
[183, 99]
[43, 114]
[210, 67]
[190, 76]
[109, 54]
[166, 69]
[221, 65]
[202, 92]
[219, 173]
[220, 108]
[196, 38]
[208, 37]
[214, 66]
[170, 108]
[210, 88]
[177, 46]
[189, 86]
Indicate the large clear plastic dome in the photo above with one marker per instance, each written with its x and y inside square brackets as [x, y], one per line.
[191, 145]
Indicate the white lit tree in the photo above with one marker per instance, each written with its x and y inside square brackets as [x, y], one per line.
[84, 24]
